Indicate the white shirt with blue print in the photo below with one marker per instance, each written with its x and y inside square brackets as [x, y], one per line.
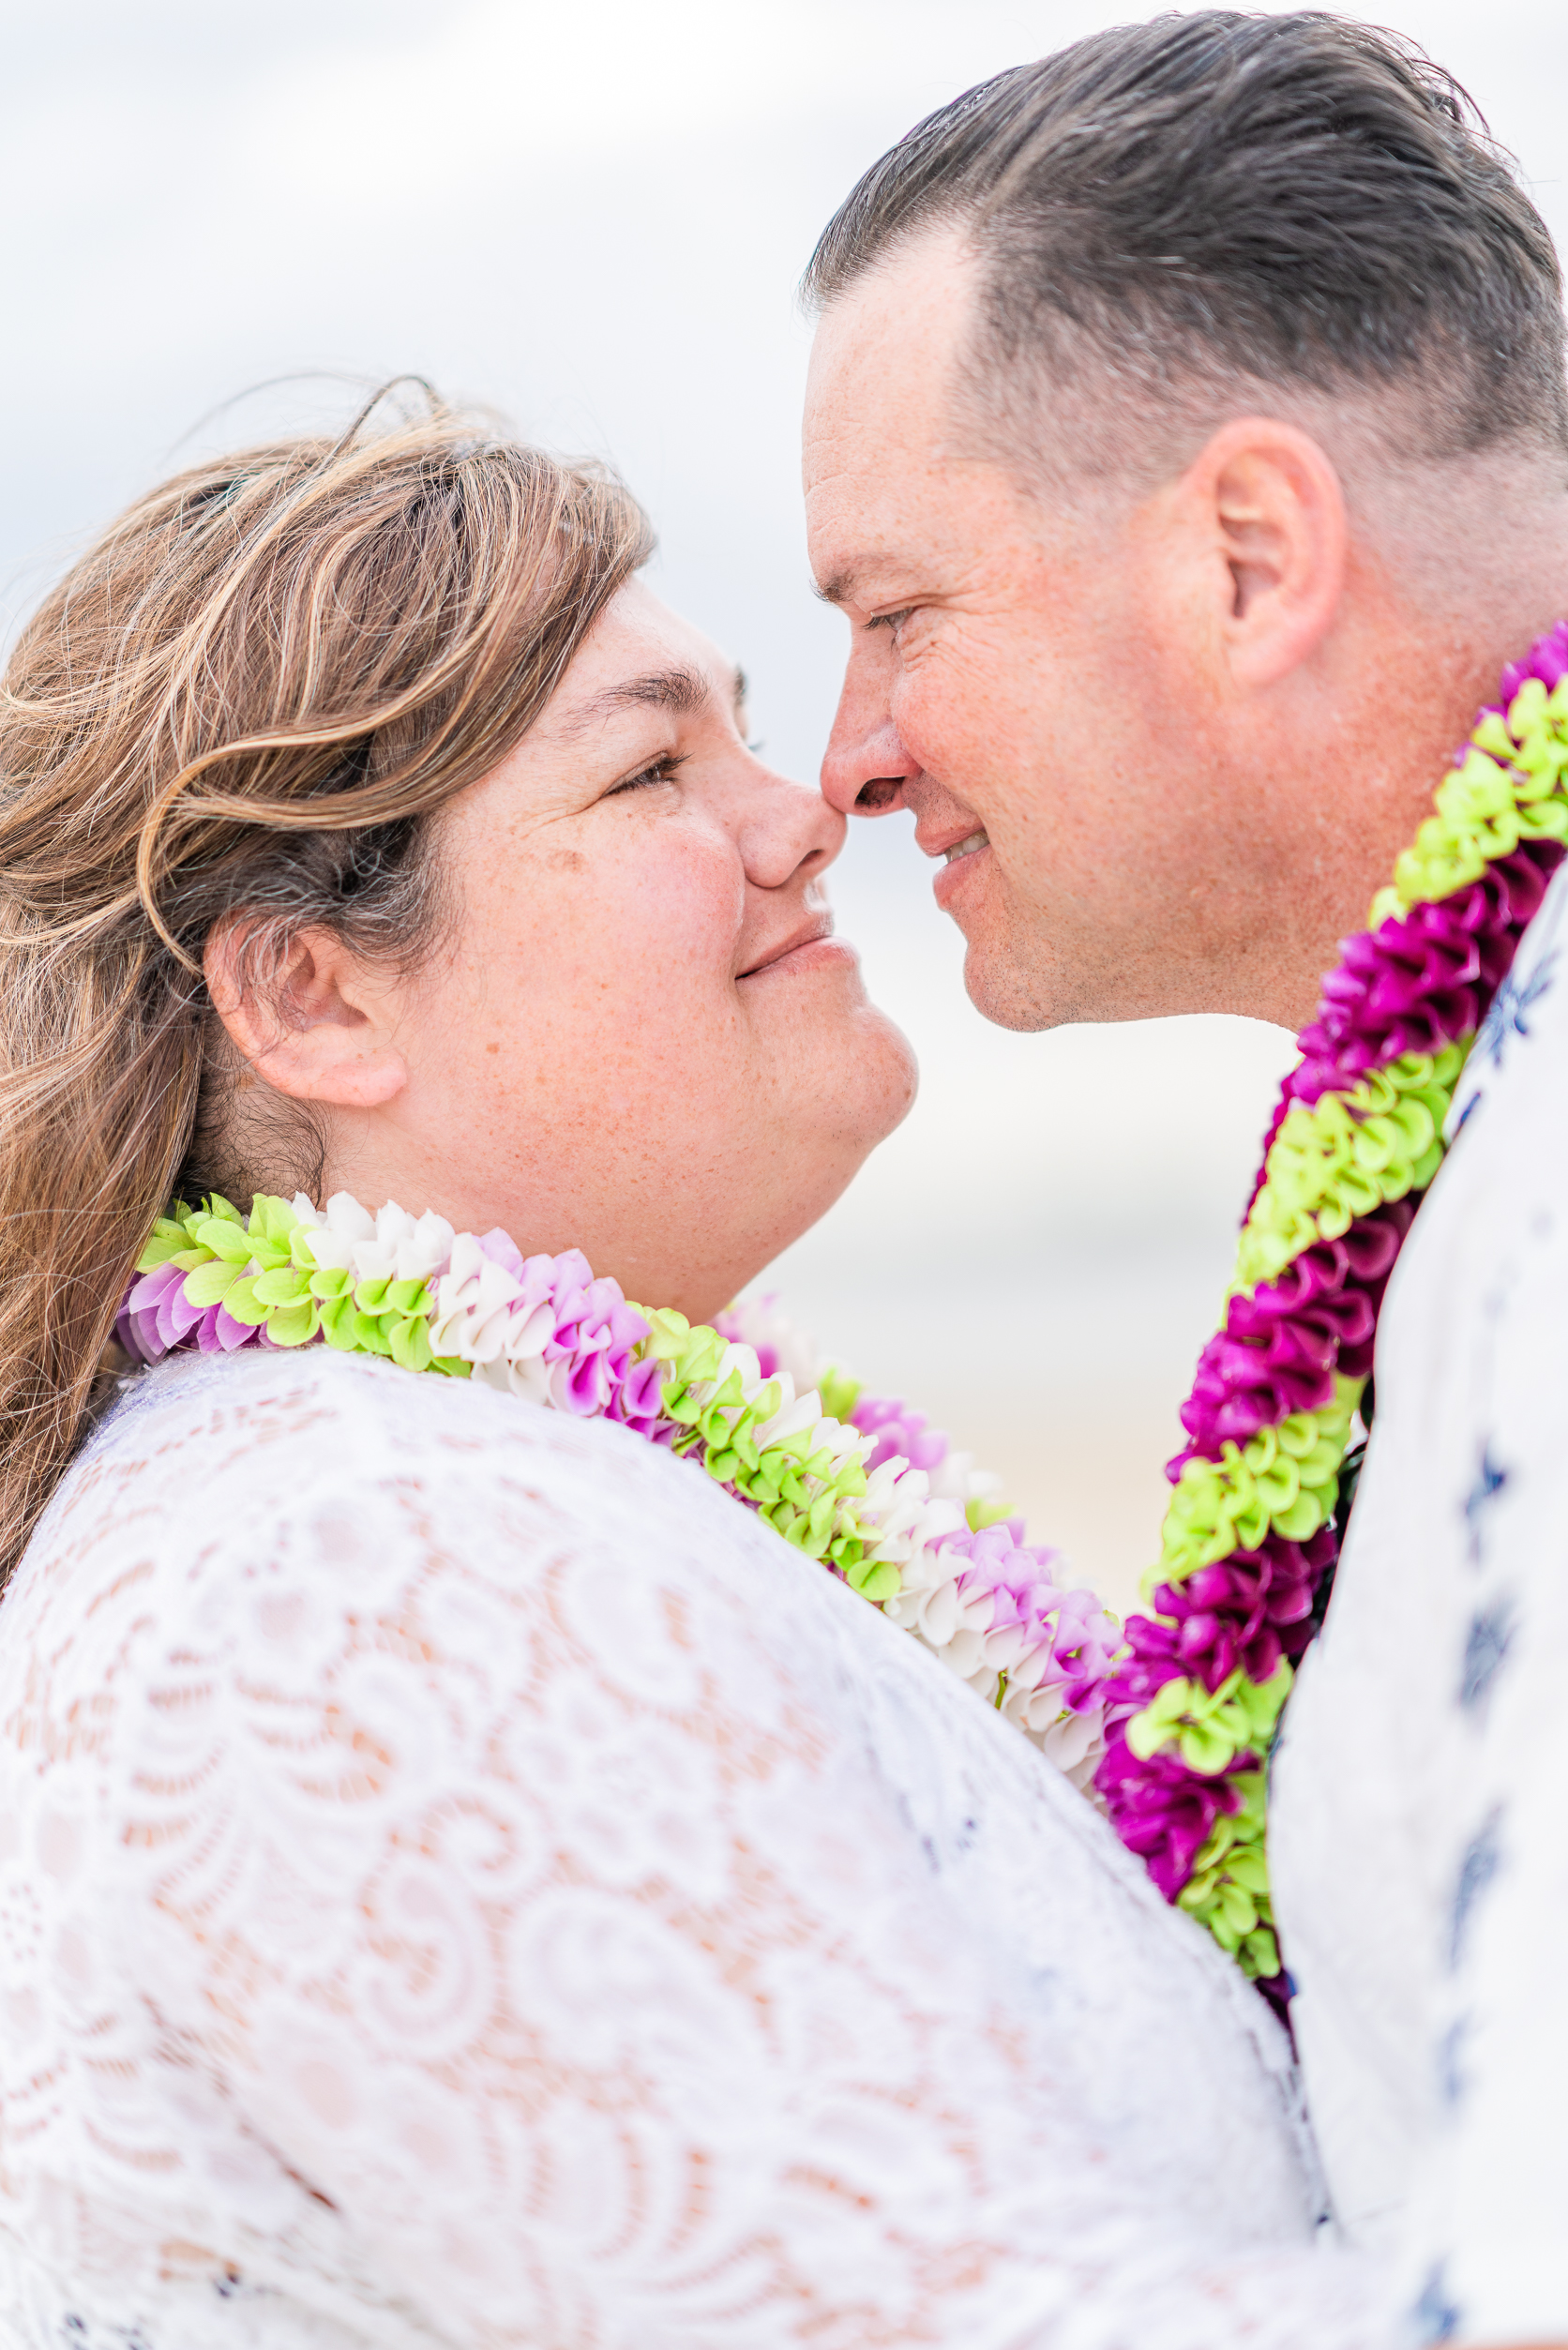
[1419, 1827]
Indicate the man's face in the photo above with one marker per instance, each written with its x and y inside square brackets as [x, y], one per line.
[1008, 682]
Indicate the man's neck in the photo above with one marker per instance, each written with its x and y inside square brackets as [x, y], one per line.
[1420, 666]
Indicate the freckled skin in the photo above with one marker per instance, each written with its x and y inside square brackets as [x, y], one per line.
[1197, 721]
[597, 1062]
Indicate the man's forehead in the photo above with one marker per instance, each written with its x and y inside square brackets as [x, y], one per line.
[888, 514]
[868, 389]
[927, 283]
[892, 335]
[865, 518]
[878, 446]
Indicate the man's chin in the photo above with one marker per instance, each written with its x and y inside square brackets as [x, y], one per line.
[1007, 992]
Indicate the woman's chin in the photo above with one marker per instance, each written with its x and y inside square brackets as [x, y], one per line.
[893, 1075]
[859, 1099]
[778, 1184]
[865, 1081]
[850, 1074]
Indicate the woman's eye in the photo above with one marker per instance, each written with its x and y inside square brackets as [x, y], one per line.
[660, 771]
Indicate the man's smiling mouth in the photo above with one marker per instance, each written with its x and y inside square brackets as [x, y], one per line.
[965, 848]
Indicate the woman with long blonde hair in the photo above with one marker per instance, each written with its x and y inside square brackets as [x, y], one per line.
[466, 1875]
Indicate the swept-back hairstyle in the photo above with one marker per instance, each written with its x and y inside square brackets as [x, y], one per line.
[253, 693]
[1291, 199]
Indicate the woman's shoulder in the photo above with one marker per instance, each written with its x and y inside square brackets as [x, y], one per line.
[346, 1419]
[219, 1484]
[276, 1431]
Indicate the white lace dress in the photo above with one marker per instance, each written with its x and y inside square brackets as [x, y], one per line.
[465, 1880]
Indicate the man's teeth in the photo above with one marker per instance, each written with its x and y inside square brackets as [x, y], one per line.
[966, 848]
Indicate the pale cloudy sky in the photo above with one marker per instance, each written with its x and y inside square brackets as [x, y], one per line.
[593, 215]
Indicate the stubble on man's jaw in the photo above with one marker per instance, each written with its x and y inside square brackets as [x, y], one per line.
[1033, 964]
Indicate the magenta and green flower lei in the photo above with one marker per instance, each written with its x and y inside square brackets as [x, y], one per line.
[1172, 1721]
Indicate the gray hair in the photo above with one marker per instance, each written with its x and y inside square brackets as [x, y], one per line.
[1295, 200]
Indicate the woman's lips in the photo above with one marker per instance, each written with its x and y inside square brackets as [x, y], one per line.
[818, 950]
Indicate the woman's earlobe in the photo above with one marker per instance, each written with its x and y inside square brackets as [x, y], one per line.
[331, 1064]
[311, 1030]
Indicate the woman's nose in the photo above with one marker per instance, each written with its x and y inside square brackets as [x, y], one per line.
[788, 826]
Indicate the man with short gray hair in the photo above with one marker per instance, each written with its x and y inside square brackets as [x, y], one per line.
[1186, 444]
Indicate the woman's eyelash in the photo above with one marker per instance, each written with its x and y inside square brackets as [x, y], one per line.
[658, 771]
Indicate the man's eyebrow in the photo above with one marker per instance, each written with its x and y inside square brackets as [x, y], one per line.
[838, 590]
[877, 577]
[679, 688]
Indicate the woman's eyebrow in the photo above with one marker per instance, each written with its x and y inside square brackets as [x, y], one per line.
[679, 688]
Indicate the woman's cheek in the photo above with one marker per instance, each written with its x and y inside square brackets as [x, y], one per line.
[573, 935]
[689, 889]
[616, 966]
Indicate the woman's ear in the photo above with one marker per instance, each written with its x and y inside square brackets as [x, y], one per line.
[319, 1030]
[1263, 513]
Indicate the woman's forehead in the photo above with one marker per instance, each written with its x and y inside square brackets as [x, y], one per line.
[641, 654]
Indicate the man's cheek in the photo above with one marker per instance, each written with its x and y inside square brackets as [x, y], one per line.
[972, 686]
[936, 721]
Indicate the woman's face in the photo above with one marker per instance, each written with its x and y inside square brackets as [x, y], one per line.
[642, 1038]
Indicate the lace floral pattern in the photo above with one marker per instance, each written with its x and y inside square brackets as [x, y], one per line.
[433, 1910]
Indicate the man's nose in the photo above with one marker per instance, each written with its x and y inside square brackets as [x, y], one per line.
[865, 765]
[868, 777]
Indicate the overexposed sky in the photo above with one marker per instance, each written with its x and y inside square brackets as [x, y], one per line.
[593, 215]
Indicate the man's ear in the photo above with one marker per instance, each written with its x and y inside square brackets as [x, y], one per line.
[1266, 513]
[318, 1030]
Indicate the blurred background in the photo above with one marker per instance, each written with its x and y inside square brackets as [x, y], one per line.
[221, 221]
